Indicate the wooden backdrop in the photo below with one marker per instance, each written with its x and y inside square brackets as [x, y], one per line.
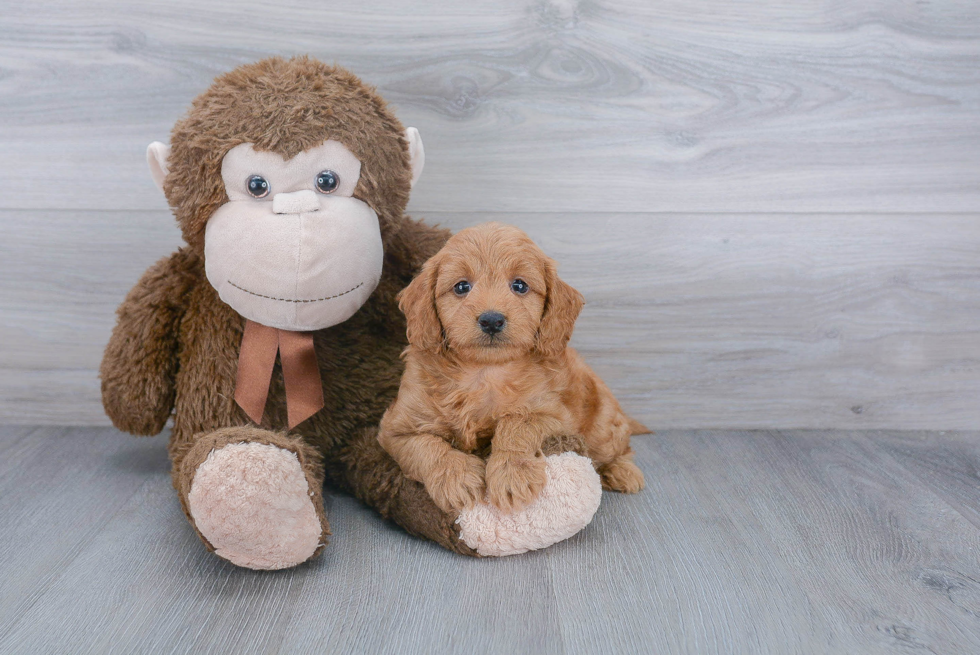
[772, 208]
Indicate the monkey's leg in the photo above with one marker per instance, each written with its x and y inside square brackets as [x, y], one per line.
[253, 496]
[363, 468]
[567, 504]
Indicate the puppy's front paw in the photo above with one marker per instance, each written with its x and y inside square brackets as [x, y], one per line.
[622, 474]
[514, 480]
[459, 482]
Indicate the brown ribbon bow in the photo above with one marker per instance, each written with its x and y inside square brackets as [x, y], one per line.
[300, 372]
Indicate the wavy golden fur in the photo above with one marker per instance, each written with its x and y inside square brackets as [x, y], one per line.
[468, 389]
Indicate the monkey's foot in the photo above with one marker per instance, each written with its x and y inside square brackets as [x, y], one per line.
[567, 502]
[253, 504]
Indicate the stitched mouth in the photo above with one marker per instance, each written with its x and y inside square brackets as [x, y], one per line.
[259, 295]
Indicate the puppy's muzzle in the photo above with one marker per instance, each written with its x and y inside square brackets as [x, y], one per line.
[492, 322]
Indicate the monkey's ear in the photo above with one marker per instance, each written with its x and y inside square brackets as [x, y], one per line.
[418, 302]
[416, 152]
[562, 305]
[156, 157]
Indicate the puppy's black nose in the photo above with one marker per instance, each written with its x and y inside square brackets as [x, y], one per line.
[492, 322]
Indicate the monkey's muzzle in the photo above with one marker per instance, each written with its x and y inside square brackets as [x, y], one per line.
[294, 266]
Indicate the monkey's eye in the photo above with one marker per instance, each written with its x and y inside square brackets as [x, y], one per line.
[257, 186]
[519, 286]
[462, 288]
[327, 181]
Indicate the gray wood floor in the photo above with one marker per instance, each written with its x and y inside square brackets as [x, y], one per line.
[743, 542]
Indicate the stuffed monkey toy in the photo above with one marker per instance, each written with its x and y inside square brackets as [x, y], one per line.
[273, 336]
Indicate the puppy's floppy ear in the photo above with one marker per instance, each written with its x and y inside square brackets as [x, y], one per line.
[562, 305]
[418, 302]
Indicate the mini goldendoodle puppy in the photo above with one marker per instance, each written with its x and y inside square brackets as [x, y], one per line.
[488, 368]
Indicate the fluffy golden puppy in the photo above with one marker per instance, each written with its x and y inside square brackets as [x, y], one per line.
[488, 368]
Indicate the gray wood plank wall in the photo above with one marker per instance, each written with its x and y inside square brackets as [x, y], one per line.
[773, 209]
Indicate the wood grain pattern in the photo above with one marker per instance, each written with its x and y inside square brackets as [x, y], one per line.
[772, 207]
[790, 542]
[529, 105]
[858, 321]
[744, 542]
[946, 462]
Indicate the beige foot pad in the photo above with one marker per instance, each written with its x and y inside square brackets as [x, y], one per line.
[251, 501]
[567, 503]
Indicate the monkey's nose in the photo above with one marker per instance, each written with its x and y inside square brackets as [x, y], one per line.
[296, 202]
[492, 322]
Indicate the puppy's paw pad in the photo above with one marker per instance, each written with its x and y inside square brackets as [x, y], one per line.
[251, 501]
[622, 475]
[514, 481]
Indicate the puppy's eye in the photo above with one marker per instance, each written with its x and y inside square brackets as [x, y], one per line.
[519, 286]
[257, 186]
[327, 181]
[462, 288]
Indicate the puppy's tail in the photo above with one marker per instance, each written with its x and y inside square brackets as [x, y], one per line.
[636, 427]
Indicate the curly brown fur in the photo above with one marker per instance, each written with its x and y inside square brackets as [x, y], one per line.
[465, 386]
[176, 344]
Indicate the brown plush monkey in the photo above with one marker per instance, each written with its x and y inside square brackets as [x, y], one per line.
[289, 180]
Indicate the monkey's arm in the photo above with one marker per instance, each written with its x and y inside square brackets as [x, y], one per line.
[140, 360]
